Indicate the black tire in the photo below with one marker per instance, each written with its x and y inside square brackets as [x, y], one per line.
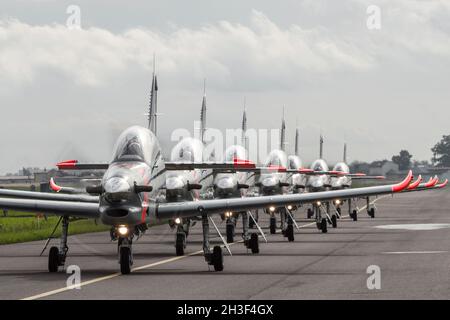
[290, 232]
[125, 260]
[354, 215]
[318, 225]
[372, 213]
[309, 213]
[179, 244]
[230, 233]
[217, 258]
[254, 243]
[251, 223]
[273, 225]
[53, 259]
[334, 221]
[323, 225]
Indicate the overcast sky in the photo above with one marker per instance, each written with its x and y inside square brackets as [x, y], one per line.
[69, 93]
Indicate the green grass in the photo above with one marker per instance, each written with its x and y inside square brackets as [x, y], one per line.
[22, 227]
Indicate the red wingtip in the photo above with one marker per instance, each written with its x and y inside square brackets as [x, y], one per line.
[54, 186]
[415, 184]
[402, 185]
[432, 182]
[305, 170]
[443, 184]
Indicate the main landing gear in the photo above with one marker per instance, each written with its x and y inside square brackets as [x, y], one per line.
[215, 257]
[352, 213]
[250, 241]
[57, 256]
[181, 236]
[370, 210]
[321, 222]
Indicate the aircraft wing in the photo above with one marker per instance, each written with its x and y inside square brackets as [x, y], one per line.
[48, 196]
[75, 165]
[196, 208]
[60, 208]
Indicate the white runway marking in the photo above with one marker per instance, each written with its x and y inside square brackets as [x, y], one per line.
[85, 283]
[413, 252]
[415, 227]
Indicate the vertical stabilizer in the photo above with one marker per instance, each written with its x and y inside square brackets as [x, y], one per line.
[152, 113]
[345, 153]
[244, 139]
[297, 137]
[321, 147]
[203, 115]
[283, 134]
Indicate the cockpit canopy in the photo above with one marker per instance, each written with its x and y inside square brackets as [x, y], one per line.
[187, 150]
[294, 162]
[341, 167]
[235, 152]
[319, 165]
[276, 158]
[135, 144]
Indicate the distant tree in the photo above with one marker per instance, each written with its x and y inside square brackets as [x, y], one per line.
[418, 163]
[403, 160]
[441, 152]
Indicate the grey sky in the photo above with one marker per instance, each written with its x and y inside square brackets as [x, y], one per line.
[68, 94]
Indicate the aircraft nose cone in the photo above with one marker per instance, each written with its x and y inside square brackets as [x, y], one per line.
[117, 189]
[225, 183]
[174, 183]
[269, 182]
[316, 183]
[117, 185]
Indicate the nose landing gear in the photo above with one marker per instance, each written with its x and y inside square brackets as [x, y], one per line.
[125, 254]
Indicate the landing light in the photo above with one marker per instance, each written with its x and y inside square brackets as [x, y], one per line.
[338, 202]
[319, 203]
[123, 230]
[177, 220]
[228, 214]
[272, 209]
[289, 207]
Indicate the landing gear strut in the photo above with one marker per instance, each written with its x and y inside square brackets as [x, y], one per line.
[214, 258]
[57, 256]
[370, 211]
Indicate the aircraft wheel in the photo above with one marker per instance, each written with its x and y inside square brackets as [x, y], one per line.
[53, 259]
[323, 225]
[125, 260]
[180, 244]
[254, 243]
[372, 213]
[309, 213]
[290, 232]
[273, 225]
[230, 233]
[217, 258]
[334, 221]
[354, 215]
[251, 223]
